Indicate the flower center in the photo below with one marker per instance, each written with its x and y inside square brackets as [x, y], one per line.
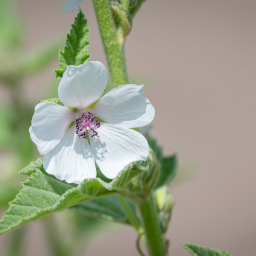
[86, 123]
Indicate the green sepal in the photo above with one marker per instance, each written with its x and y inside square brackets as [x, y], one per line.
[76, 48]
[106, 208]
[43, 194]
[55, 100]
[169, 164]
[197, 250]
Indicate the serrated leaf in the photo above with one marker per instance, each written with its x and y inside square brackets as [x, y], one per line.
[168, 164]
[32, 167]
[43, 194]
[76, 49]
[197, 250]
[106, 208]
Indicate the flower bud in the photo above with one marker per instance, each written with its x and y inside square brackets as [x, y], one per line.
[165, 204]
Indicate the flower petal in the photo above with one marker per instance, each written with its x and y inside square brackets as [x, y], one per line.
[116, 147]
[126, 106]
[82, 85]
[70, 5]
[71, 160]
[49, 125]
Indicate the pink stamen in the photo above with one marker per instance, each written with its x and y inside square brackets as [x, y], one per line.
[86, 123]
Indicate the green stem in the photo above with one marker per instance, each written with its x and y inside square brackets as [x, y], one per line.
[113, 51]
[130, 215]
[154, 239]
[116, 61]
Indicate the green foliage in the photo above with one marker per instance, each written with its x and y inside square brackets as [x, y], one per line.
[32, 167]
[107, 208]
[76, 49]
[43, 194]
[135, 6]
[164, 204]
[197, 250]
[168, 170]
[168, 164]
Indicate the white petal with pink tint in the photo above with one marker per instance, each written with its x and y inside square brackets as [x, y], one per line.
[49, 124]
[116, 147]
[71, 160]
[82, 85]
[125, 106]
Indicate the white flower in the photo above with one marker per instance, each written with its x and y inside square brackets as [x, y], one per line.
[73, 140]
[71, 5]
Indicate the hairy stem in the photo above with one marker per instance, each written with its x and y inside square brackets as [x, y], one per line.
[154, 239]
[113, 51]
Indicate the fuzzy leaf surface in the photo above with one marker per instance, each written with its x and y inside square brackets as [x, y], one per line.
[76, 48]
[43, 194]
[32, 167]
[106, 208]
[197, 250]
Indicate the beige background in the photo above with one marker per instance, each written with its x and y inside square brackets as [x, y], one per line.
[199, 60]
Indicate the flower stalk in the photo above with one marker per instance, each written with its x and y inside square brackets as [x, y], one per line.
[154, 239]
[114, 52]
[116, 61]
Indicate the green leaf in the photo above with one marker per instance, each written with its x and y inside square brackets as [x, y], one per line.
[32, 167]
[136, 6]
[43, 194]
[168, 164]
[156, 148]
[168, 171]
[106, 208]
[165, 205]
[197, 250]
[76, 49]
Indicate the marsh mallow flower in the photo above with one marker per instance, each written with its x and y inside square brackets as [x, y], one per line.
[89, 128]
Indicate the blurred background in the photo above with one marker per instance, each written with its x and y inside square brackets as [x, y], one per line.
[197, 59]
